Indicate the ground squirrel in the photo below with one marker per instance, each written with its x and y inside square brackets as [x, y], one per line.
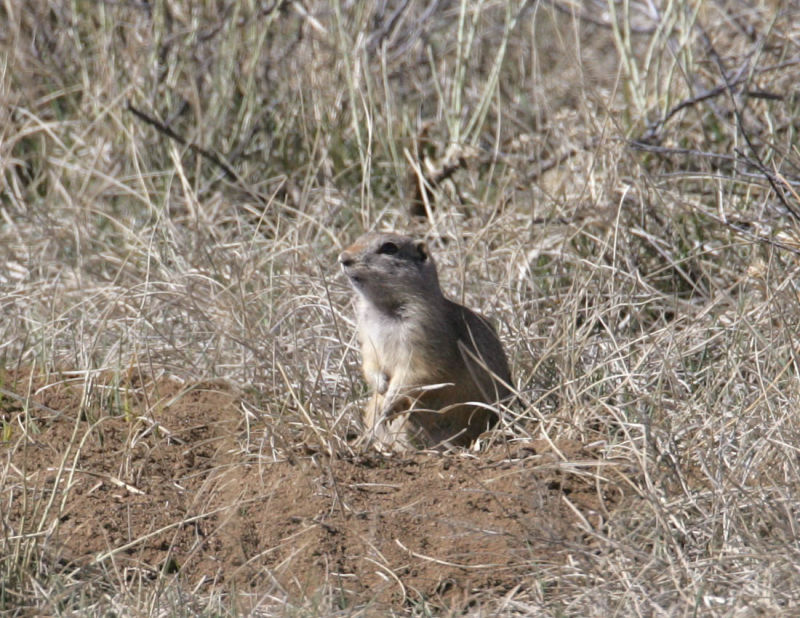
[423, 355]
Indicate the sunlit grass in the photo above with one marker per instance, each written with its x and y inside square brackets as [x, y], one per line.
[614, 183]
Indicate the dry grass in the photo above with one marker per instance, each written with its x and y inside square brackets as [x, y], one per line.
[623, 200]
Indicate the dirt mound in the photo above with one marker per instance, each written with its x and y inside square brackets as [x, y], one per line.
[161, 477]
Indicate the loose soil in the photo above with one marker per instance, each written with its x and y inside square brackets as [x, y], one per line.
[160, 477]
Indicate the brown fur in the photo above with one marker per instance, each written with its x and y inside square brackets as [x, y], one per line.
[423, 355]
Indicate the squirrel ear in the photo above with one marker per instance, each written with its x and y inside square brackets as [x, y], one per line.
[422, 251]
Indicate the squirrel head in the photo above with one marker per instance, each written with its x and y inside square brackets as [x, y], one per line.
[391, 271]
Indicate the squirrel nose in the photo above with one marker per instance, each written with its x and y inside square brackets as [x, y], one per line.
[345, 259]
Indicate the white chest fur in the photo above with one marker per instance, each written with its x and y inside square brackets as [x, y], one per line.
[388, 338]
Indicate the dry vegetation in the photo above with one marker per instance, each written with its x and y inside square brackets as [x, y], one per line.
[616, 183]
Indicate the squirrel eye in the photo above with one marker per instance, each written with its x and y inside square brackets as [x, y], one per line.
[388, 248]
